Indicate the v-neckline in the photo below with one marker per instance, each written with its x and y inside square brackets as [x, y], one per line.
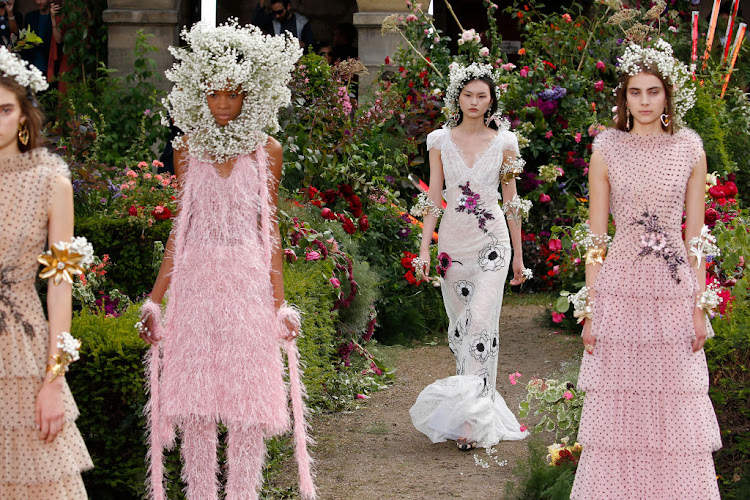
[478, 157]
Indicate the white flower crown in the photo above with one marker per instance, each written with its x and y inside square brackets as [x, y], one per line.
[25, 74]
[659, 58]
[459, 76]
[229, 57]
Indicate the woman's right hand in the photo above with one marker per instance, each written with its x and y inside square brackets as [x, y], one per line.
[589, 341]
[425, 256]
[49, 410]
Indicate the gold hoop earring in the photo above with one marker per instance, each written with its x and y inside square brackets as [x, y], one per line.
[627, 118]
[23, 133]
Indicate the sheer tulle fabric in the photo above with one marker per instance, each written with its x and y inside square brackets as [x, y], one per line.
[29, 468]
[467, 405]
[648, 427]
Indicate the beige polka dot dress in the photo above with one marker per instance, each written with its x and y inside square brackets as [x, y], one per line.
[648, 427]
[29, 468]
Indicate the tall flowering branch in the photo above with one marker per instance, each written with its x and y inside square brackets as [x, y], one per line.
[392, 24]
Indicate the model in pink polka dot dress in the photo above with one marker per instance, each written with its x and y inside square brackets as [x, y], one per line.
[648, 427]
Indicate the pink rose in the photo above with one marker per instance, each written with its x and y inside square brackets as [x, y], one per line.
[312, 255]
[335, 283]
[544, 198]
[600, 65]
[599, 86]
[290, 255]
[508, 66]
[567, 18]
[523, 428]
[557, 317]
[147, 176]
[577, 137]
[484, 52]
[524, 72]
[411, 18]
[548, 135]
[555, 244]
[143, 164]
[157, 164]
[131, 173]
[568, 395]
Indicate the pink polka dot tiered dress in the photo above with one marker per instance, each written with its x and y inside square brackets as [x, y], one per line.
[648, 427]
[30, 469]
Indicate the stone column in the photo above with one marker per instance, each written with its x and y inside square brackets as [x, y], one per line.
[374, 47]
[123, 18]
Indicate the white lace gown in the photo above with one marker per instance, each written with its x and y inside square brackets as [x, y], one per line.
[474, 234]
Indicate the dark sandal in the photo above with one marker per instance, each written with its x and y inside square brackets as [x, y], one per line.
[465, 445]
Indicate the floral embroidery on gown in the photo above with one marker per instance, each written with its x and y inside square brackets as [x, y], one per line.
[648, 427]
[474, 234]
[30, 469]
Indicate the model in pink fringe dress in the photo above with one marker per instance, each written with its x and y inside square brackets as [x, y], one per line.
[648, 427]
[217, 358]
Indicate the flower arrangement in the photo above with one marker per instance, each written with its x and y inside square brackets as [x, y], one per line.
[24, 73]
[140, 193]
[562, 453]
[65, 259]
[558, 403]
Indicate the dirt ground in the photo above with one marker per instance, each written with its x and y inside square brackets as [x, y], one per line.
[374, 452]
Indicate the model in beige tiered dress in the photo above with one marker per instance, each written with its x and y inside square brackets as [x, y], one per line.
[30, 469]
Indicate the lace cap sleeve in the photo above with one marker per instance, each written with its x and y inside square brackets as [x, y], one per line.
[436, 139]
[53, 165]
[604, 142]
[509, 141]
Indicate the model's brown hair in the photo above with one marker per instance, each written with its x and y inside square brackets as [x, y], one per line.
[30, 109]
[621, 98]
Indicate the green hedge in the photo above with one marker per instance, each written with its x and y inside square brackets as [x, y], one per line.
[130, 246]
[108, 384]
[728, 356]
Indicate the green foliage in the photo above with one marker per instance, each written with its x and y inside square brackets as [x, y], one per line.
[536, 480]
[130, 246]
[706, 119]
[558, 403]
[84, 35]
[728, 357]
[119, 115]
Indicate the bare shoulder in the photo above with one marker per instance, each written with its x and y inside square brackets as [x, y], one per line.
[273, 147]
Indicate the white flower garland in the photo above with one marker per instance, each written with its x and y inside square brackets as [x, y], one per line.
[709, 299]
[583, 306]
[659, 58]
[24, 73]
[229, 57]
[517, 208]
[424, 206]
[459, 76]
[512, 169]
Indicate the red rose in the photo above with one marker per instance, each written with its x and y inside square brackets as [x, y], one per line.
[730, 188]
[328, 214]
[310, 192]
[133, 210]
[355, 205]
[364, 224]
[412, 279]
[161, 213]
[710, 217]
[718, 191]
[555, 245]
[329, 196]
[406, 259]
[348, 225]
[346, 190]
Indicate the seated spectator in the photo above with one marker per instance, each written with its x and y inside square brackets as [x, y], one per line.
[285, 19]
[344, 36]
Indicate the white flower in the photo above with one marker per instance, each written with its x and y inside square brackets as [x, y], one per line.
[484, 52]
[517, 208]
[69, 345]
[464, 289]
[25, 74]
[229, 57]
[492, 256]
[527, 273]
[703, 245]
[81, 246]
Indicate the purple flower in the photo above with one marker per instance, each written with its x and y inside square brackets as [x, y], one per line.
[389, 179]
[403, 233]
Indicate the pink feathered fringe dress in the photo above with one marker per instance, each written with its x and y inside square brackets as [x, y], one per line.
[648, 427]
[221, 350]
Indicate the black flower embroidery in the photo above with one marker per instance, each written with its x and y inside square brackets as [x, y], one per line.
[480, 347]
[459, 331]
[495, 344]
[464, 289]
[656, 241]
[492, 256]
[485, 376]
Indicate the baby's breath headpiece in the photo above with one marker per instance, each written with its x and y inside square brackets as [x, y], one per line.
[659, 58]
[229, 57]
[459, 76]
[25, 74]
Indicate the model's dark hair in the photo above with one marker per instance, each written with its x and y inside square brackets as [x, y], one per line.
[30, 109]
[493, 95]
[623, 122]
[285, 2]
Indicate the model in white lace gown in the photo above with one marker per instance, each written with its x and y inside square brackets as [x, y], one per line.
[475, 246]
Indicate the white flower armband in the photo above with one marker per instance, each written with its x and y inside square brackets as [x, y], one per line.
[66, 259]
[583, 306]
[424, 206]
[58, 364]
[709, 299]
[596, 247]
[511, 170]
[517, 208]
[703, 246]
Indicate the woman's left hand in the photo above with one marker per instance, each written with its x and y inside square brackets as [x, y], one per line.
[291, 331]
[701, 331]
[518, 268]
[49, 410]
